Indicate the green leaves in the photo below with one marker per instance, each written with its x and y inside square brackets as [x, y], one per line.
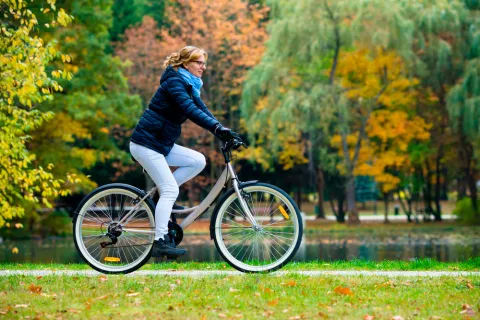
[24, 83]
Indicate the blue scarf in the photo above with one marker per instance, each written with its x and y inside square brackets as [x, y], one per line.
[195, 81]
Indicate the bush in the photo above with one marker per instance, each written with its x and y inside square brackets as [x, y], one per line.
[58, 223]
[464, 211]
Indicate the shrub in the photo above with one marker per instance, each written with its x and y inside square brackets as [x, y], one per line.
[464, 211]
[58, 223]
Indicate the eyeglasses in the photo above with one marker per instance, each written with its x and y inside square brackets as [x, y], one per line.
[201, 63]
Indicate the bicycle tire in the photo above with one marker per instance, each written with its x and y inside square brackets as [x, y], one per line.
[294, 228]
[119, 191]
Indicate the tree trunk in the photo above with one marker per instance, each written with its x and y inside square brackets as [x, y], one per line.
[408, 211]
[444, 195]
[427, 194]
[341, 212]
[438, 182]
[320, 189]
[461, 186]
[385, 201]
[298, 198]
[190, 195]
[472, 187]
[351, 205]
[466, 156]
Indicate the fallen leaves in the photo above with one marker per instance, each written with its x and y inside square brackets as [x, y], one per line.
[323, 315]
[273, 302]
[233, 290]
[268, 313]
[343, 290]
[389, 284]
[470, 286]
[102, 278]
[35, 289]
[397, 318]
[368, 317]
[132, 294]
[467, 310]
[291, 283]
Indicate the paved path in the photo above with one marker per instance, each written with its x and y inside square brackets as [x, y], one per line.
[205, 273]
[380, 217]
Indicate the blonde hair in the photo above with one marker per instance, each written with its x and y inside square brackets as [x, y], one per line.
[185, 55]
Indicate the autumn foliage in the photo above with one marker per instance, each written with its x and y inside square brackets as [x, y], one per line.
[232, 32]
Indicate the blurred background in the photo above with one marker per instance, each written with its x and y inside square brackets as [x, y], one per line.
[366, 112]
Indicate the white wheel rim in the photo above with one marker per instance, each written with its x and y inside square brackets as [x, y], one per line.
[284, 256]
[112, 252]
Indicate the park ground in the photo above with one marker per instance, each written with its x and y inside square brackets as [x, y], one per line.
[225, 296]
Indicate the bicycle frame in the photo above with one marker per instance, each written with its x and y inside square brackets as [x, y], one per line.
[197, 211]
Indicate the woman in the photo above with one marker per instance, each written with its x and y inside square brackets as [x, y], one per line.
[153, 140]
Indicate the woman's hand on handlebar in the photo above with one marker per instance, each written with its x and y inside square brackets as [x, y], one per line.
[224, 134]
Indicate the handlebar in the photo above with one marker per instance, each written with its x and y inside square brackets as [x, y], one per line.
[235, 143]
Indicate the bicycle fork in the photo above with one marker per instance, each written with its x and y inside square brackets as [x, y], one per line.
[243, 204]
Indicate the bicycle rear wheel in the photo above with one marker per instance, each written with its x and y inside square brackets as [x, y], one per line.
[265, 247]
[99, 217]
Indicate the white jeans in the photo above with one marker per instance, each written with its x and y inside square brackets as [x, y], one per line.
[190, 163]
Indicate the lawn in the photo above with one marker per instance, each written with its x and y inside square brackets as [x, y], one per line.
[239, 297]
[387, 265]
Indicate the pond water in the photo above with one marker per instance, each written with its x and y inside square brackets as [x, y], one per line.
[442, 244]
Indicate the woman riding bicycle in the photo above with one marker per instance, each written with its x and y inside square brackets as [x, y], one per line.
[153, 140]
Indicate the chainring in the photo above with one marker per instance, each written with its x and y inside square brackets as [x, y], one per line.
[175, 232]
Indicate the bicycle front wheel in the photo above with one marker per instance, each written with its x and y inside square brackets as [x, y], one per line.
[270, 244]
[100, 216]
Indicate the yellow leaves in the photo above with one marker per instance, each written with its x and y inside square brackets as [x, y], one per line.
[371, 80]
[15, 250]
[104, 130]
[364, 74]
[262, 104]
[65, 58]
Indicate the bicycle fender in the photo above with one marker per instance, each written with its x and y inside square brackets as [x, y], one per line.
[107, 186]
[223, 197]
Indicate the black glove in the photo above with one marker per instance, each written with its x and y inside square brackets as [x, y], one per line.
[223, 133]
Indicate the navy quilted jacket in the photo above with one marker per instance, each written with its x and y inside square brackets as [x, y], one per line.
[172, 104]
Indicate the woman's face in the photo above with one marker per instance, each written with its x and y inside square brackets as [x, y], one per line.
[197, 66]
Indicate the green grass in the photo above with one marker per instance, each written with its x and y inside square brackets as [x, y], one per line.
[418, 264]
[232, 297]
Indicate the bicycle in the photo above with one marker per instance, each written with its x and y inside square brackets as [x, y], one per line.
[256, 226]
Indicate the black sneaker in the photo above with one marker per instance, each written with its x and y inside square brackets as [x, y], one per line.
[177, 207]
[164, 247]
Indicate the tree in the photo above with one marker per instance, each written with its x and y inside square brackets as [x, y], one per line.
[307, 39]
[232, 32]
[92, 104]
[463, 102]
[24, 83]
[392, 125]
